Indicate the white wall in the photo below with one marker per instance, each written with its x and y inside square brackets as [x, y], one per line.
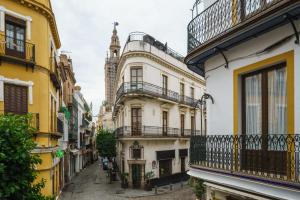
[219, 82]
[150, 148]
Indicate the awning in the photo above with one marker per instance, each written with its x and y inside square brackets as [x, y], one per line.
[183, 153]
[163, 155]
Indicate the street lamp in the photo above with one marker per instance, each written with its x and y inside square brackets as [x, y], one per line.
[201, 103]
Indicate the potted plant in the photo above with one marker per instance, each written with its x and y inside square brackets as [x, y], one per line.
[124, 180]
[199, 188]
[148, 177]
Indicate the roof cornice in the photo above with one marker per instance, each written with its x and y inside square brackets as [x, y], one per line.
[159, 61]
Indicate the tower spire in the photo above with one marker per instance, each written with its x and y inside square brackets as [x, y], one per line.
[115, 43]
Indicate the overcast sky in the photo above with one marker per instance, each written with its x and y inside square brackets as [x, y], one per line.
[85, 28]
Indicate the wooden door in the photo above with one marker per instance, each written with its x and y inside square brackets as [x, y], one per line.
[136, 121]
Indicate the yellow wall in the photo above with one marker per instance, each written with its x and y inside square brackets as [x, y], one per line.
[41, 36]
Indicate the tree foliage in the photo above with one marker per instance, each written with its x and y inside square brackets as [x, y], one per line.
[17, 163]
[106, 143]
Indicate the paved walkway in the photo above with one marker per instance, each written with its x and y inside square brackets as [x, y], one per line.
[92, 184]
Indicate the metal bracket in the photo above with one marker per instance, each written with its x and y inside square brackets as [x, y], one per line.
[291, 20]
[221, 51]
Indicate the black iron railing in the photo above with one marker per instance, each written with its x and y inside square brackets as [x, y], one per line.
[153, 90]
[254, 156]
[17, 48]
[152, 131]
[143, 37]
[222, 16]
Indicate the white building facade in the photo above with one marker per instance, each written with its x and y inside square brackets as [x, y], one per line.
[251, 65]
[155, 111]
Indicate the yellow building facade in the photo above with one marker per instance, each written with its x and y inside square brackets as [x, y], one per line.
[29, 78]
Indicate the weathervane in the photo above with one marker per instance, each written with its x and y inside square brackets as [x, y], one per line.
[116, 24]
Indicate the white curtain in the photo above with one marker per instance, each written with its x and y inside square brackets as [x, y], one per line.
[277, 105]
[253, 105]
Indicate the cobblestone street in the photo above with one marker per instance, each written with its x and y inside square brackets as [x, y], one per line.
[91, 184]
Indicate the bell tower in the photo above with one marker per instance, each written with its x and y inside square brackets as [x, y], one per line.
[115, 43]
[111, 64]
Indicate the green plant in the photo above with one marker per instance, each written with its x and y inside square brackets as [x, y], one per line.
[199, 188]
[106, 143]
[66, 112]
[17, 163]
[124, 175]
[148, 176]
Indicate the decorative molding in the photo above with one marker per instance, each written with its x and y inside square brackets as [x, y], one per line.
[47, 12]
[159, 61]
[28, 84]
[28, 20]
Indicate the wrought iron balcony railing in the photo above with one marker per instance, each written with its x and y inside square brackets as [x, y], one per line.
[152, 131]
[257, 157]
[153, 90]
[222, 17]
[17, 50]
[143, 37]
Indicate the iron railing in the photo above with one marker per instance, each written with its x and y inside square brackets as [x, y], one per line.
[152, 131]
[16, 48]
[143, 37]
[153, 90]
[274, 157]
[221, 17]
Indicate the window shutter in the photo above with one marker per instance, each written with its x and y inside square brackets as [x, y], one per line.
[15, 99]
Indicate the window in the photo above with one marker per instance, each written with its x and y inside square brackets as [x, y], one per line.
[165, 84]
[192, 92]
[181, 92]
[15, 99]
[165, 122]
[182, 124]
[136, 153]
[264, 101]
[192, 125]
[15, 36]
[136, 78]
[136, 121]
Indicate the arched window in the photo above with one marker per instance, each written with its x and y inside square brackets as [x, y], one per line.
[136, 150]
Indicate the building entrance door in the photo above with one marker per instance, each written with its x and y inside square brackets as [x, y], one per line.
[165, 167]
[136, 175]
[182, 159]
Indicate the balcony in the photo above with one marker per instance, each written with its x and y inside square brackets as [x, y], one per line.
[54, 72]
[272, 159]
[153, 132]
[34, 119]
[144, 88]
[17, 51]
[60, 126]
[227, 23]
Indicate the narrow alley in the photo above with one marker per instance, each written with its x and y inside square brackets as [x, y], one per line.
[92, 184]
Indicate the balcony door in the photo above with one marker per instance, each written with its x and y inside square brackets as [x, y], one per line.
[182, 124]
[264, 109]
[181, 92]
[15, 36]
[15, 99]
[136, 121]
[165, 85]
[165, 123]
[136, 78]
